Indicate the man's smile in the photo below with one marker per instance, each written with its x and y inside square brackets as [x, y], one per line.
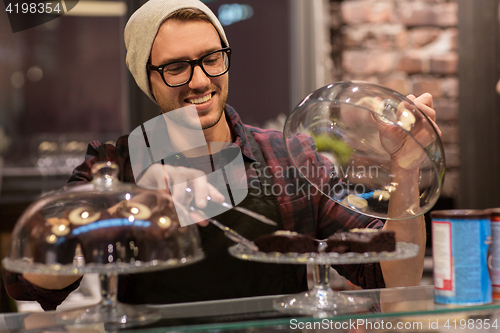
[200, 99]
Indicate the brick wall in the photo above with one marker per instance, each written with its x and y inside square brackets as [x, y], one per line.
[409, 46]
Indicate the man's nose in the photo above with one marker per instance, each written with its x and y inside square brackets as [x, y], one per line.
[199, 79]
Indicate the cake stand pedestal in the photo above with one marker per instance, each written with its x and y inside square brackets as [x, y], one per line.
[322, 301]
[109, 310]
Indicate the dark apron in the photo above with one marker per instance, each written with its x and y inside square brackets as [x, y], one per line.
[220, 275]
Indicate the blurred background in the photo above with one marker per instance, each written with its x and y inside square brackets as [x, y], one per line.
[65, 83]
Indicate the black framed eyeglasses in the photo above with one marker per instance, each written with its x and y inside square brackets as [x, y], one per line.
[179, 73]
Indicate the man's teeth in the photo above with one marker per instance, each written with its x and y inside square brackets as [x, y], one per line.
[200, 99]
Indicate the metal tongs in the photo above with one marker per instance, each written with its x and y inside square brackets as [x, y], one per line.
[230, 233]
[257, 216]
[242, 210]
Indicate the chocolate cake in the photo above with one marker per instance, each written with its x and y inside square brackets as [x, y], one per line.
[51, 239]
[132, 232]
[361, 241]
[286, 241]
[111, 237]
[129, 232]
[107, 241]
[159, 241]
[379, 202]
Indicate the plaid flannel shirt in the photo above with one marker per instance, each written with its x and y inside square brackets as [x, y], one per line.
[313, 214]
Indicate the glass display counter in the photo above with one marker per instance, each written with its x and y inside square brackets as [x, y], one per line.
[394, 310]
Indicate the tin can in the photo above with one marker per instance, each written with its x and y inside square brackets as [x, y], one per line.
[494, 256]
[460, 241]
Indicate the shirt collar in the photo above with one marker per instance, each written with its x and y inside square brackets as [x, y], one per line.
[240, 135]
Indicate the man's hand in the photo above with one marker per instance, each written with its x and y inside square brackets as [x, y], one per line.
[405, 151]
[406, 157]
[185, 184]
[53, 282]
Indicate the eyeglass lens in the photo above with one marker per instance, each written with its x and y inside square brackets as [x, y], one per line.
[213, 64]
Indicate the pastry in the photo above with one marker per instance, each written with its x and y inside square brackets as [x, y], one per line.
[361, 241]
[51, 240]
[160, 240]
[286, 241]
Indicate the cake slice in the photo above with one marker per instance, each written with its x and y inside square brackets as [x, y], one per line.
[285, 241]
[361, 241]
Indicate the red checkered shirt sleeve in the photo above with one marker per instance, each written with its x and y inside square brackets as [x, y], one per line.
[105, 152]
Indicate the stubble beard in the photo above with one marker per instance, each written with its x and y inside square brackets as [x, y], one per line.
[184, 120]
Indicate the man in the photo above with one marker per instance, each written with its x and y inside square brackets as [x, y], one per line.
[168, 44]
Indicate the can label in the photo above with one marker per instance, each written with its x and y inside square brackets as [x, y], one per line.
[494, 259]
[459, 250]
[443, 271]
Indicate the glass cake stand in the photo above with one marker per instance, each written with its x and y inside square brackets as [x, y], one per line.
[105, 227]
[109, 310]
[322, 301]
[350, 140]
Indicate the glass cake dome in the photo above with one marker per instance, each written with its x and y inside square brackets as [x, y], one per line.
[361, 132]
[105, 227]
[101, 227]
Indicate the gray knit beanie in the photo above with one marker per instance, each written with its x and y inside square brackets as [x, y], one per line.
[141, 30]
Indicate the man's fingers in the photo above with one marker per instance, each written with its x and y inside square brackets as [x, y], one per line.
[425, 103]
[200, 187]
[214, 194]
[203, 223]
[186, 182]
[425, 98]
[153, 178]
[200, 219]
[179, 186]
[429, 112]
[436, 127]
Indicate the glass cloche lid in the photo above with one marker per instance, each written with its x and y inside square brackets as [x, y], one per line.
[361, 133]
[100, 227]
